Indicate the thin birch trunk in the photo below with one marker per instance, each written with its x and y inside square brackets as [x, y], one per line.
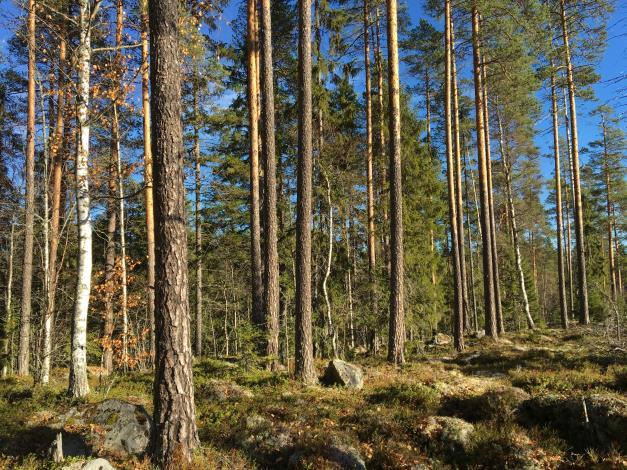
[6, 326]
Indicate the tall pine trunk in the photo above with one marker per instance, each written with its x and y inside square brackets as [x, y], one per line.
[23, 358]
[561, 284]
[458, 307]
[491, 327]
[253, 136]
[197, 220]
[271, 261]
[608, 200]
[584, 314]
[56, 157]
[305, 370]
[174, 433]
[396, 341]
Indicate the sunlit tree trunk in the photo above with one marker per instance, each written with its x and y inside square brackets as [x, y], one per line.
[253, 137]
[5, 326]
[305, 370]
[56, 158]
[458, 308]
[271, 261]
[78, 385]
[471, 279]
[148, 186]
[608, 199]
[561, 285]
[491, 327]
[197, 220]
[173, 432]
[396, 341]
[584, 315]
[331, 333]
[23, 358]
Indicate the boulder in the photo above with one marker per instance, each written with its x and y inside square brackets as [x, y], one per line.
[441, 339]
[344, 456]
[344, 374]
[96, 464]
[449, 433]
[268, 442]
[222, 390]
[598, 421]
[126, 427]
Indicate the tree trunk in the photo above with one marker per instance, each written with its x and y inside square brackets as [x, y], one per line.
[5, 327]
[197, 220]
[584, 314]
[271, 261]
[174, 434]
[78, 385]
[108, 319]
[305, 370]
[23, 357]
[458, 307]
[459, 201]
[561, 285]
[491, 327]
[56, 157]
[608, 199]
[148, 186]
[253, 136]
[396, 344]
[495, 255]
[512, 218]
[331, 333]
[470, 254]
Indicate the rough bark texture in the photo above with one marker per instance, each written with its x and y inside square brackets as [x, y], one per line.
[78, 385]
[174, 434]
[459, 200]
[369, 163]
[458, 307]
[108, 318]
[253, 137]
[561, 284]
[488, 277]
[488, 156]
[305, 370]
[23, 357]
[197, 222]
[56, 157]
[396, 341]
[148, 187]
[271, 261]
[584, 314]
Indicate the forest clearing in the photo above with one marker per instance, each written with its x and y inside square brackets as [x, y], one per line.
[312, 234]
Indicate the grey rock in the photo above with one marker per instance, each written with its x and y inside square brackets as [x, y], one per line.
[453, 434]
[269, 442]
[127, 426]
[98, 464]
[346, 456]
[344, 374]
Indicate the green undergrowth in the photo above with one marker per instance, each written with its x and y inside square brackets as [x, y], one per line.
[384, 423]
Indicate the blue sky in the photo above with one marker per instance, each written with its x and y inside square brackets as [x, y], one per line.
[608, 90]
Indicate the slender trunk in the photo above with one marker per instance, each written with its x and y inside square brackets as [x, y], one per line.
[396, 341]
[349, 283]
[458, 307]
[512, 218]
[23, 357]
[608, 199]
[428, 107]
[6, 327]
[148, 187]
[617, 251]
[305, 369]
[78, 385]
[332, 334]
[458, 183]
[558, 206]
[584, 314]
[56, 158]
[253, 137]
[369, 165]
[271, 261]
[491, 327]
[108, 319]
[495, 258]
[174, 434]
[569, 191]
[470, 254]
[197, 220]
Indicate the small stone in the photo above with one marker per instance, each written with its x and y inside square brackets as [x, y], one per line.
[344, 374]
[98, 464]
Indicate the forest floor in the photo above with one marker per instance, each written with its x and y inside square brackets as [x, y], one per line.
[542, 399]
